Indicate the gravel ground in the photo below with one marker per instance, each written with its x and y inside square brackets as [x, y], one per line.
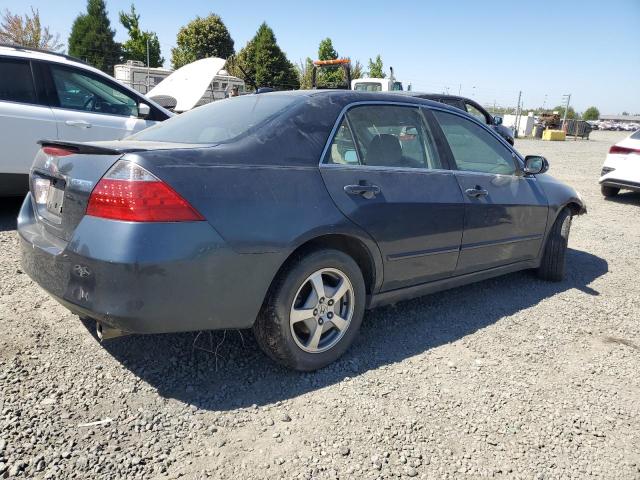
[508, 378]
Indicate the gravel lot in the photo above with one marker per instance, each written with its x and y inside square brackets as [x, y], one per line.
[508, 378]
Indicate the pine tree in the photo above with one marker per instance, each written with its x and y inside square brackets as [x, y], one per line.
[329, 76]
[92, 39]
[264, 62]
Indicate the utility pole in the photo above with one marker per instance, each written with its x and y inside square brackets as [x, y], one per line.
[566, 109]
[518, 114]
[459, 88]
[147, 64]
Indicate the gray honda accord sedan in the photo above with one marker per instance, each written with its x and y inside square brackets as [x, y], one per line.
[288, 212]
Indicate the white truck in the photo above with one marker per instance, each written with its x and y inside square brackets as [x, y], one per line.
[377, 84]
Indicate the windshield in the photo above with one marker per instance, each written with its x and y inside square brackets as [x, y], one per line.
[219, 122]
[636, 135]
[368, 87]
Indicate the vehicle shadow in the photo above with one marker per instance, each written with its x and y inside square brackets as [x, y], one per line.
[226, 370]
[627, 198]
[9, 208]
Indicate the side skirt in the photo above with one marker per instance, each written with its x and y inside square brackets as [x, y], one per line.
[394, 296]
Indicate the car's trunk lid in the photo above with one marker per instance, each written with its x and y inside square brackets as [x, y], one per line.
[62, 184]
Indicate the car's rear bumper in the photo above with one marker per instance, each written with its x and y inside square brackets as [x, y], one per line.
[621, 183]
[147, 277]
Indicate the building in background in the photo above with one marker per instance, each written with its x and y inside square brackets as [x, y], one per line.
[620, 118]
[136, 75]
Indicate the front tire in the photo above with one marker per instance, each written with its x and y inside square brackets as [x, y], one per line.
[313, 310]
[609, 191]
[553, 263]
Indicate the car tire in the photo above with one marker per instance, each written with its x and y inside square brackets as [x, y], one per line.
[552, 266]
[296, 343]
[609, 191]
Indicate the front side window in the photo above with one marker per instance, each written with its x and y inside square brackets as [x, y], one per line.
[16, 83]
[474, 149]
[386, 136]
[78, 91]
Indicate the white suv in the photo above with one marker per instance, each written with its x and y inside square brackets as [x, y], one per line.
[52, 96]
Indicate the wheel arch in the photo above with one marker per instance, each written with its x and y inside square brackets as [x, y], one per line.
[575, 207]
[370, 264]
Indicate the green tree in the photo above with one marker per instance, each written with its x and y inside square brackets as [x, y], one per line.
[136, 47]
[92, 39]
[264, 62]
[571, 113]
[304, 73]
[376, 68]
[356, 70]
[28, 31]
[329, 76]
[202, 38]
[591, 113]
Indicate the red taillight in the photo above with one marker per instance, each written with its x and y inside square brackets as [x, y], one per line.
[57, 151]
[623, 150]
[130, 193]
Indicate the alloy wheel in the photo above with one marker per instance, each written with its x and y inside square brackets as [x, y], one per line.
[322, 310]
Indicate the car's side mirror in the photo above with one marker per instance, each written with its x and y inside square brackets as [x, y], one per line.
[535, 164]
[143, 110]
[497, 120]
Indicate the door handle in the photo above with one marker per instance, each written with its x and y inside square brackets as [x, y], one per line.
[78, 123]
[476, 192]
[365, 191]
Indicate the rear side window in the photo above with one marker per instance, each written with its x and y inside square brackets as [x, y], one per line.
[16, 82]
[220, 122]
[391, 136]
[473, 148]
[343, 147]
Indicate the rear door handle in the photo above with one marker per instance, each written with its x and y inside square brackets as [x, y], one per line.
[365, 191]
[78, 123]
[476, 192]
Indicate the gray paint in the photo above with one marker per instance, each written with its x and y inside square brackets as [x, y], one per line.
[263, 197]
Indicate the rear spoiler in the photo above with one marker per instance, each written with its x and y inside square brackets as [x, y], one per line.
[88, 148]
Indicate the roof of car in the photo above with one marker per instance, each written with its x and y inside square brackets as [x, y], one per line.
[349, 96]
[434, 95]
[19, 50]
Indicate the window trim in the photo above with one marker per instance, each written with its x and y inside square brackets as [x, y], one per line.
[55, 100]
[38, 102]
[446, 166]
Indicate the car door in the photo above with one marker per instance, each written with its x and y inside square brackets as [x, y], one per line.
[505, 210]
[88, 107]
[384, 172]
[24, 120]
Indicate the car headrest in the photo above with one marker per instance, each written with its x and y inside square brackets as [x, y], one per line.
[384, 149]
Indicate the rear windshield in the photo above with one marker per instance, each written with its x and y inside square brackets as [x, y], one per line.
[219, 122]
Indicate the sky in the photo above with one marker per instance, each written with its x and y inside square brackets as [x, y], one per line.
[487, 50]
